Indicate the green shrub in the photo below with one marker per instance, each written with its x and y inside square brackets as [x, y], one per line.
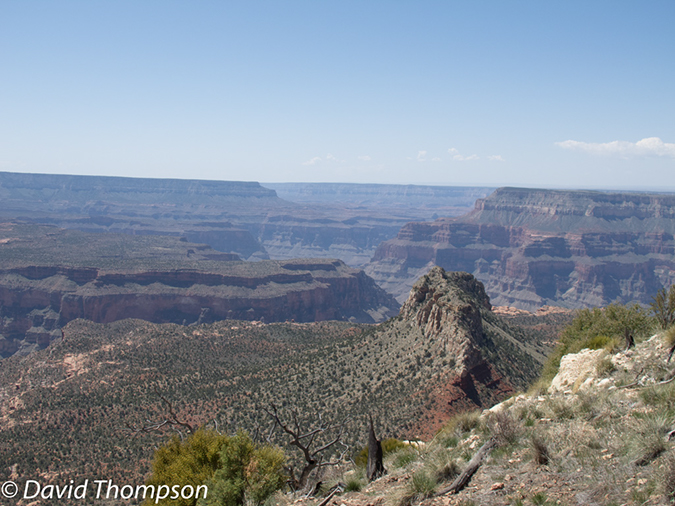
[668, 479]
[458, 425]
[447, 470]
[648, 441]
[598, 328]
[669, 337]
[190, 462]
[504, 427]
[449, 441]
[605, 367]
[539, 499]
[403, 457]
[659, 395]
[353, 485]
[234, 469]
[249, 474]
[423, 484]
[539, 450]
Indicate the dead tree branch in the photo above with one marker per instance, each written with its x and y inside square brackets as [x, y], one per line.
[303, 441]
[172, 422]
[476, 461]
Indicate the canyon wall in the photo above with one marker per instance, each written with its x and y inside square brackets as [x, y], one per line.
[51, 276]
[325, 220]
[544, 247]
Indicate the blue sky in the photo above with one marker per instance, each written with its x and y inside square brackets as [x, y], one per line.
[577, 94]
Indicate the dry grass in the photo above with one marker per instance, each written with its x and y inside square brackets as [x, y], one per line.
[421, 486]
[649, 441]
[504, 427]
[668, 478]
[539, 450]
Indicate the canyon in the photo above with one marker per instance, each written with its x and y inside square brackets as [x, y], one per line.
[530, 248]
[51, 276]
[543, 247]
[75, 410]
[323, 220]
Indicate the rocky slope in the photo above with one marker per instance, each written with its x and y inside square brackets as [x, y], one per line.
[51, 276]
[340, 221]
[77, 403]
[602, 434]
[544, 247]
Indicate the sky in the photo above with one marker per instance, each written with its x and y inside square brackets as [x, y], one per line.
[557, 94]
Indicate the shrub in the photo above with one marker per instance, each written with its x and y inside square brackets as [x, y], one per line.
[648, 436]
[353, 484]
[663, 307]
[539, 499]
[249, 474]
[190, 462]
[504, 427]
[404, 457]
[669, 338]
[598, 328]
[447, 471]
[234, 469]
[668, 479]
[605, 367]
[459, 424]
[659, 395]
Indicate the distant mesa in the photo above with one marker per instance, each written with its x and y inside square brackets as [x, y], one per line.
[321, 220]
[543, 247]
[529, 247]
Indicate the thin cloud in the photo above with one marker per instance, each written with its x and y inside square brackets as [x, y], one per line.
[461, 158]
[496, 158]
[421, 156]
[329, 158]
[436, 159]
[313, 161]
[365, 158]
[650, 146]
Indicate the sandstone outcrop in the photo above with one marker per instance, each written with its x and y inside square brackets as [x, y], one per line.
[577, 370]
[544, 247]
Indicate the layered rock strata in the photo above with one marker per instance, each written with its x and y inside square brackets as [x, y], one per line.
[325, 221]
[50, 276]
[536, 247]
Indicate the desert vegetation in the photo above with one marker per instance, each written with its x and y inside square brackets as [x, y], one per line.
[293, 385]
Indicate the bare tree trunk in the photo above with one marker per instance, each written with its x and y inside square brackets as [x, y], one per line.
[630, 342]
[375, 467]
